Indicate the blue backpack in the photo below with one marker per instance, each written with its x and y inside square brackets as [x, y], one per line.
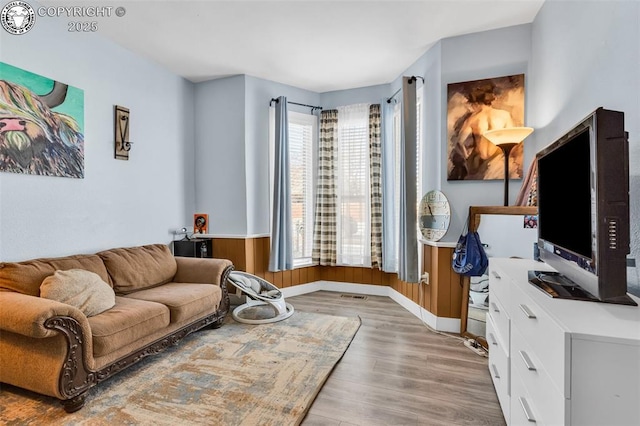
[469, 257]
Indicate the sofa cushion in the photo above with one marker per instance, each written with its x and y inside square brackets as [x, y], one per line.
[138, 268]
[128, 321]
[26, 277]
[184, 301]
[81, 289]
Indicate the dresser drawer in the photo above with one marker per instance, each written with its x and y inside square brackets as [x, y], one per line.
[539, 331]
[499, 284]
[498, 313]
[499, 368]
[523, 410]
[541, 390]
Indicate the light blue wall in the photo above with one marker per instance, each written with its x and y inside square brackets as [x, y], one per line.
[428, 66]
[232, 156]
[475, 56]
[221, 190]
[258, 94]
[204, 147]
[586, 55]
[118, 203]
[361, 95]
[488, 54]
[496, 53]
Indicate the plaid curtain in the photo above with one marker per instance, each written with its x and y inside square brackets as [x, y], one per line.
[324, 229]
[375, 157]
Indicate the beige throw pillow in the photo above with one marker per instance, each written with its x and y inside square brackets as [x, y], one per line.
[79, 288]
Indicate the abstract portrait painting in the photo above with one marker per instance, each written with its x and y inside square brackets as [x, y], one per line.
[200, 223]
[41, 125]
[473, 107]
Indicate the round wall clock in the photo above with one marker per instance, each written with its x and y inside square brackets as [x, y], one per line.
[434, 215]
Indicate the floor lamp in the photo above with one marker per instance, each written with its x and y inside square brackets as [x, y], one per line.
[506, 139]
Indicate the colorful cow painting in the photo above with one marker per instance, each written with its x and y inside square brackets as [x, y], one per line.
[41, 125]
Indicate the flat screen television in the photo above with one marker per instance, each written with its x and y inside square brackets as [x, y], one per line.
[583, 211]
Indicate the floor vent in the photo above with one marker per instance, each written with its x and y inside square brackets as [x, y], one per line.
[354, 296]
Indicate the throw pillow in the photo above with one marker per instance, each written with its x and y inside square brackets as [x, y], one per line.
[82, 289]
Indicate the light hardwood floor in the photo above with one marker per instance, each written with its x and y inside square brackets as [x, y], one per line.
[398, 372]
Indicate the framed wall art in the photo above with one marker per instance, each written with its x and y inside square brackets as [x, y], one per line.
[473, 107]
[41, 125]
[200, 223]
[122, 144]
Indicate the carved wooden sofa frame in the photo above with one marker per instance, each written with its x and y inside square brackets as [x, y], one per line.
[76, 379]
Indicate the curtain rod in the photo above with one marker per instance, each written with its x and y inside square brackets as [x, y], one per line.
[393, 96]
[411, 80]
[313, 107]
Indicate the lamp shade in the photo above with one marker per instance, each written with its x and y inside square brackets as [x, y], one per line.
[508, 135]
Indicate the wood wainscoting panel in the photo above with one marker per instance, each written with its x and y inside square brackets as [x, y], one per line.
[455, 284]
[354, 274]
[233, 249]
[429, 257]
[261, 256]
[442, 296]
[252, 255]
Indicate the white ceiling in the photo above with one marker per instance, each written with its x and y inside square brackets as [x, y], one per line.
[317, 45]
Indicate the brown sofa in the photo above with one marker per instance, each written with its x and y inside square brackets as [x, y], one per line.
[54, 349]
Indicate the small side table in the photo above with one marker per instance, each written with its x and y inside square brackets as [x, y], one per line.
[195, 247]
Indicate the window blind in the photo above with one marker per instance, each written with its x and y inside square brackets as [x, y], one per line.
[301, 143]
[354, 205]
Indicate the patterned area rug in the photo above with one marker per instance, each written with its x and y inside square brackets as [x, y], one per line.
[238, 374]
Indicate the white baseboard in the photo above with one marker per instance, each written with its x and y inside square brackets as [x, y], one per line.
[368, 289]
[437, 323]
[451, 325]
[297, 290]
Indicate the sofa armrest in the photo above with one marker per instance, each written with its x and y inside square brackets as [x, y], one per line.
[206, 271]
[202, 270]
[26, 315]
[30, 326]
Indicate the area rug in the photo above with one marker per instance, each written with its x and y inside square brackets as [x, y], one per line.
[239, 374]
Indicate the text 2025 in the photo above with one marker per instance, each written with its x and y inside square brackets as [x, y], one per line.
[82, 27]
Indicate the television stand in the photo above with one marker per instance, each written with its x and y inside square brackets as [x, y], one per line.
[558, 362]
[558, 286]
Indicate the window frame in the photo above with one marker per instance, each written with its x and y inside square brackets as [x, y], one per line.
[302, 119]
[347, 131]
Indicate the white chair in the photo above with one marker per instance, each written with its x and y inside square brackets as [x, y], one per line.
[259, 292]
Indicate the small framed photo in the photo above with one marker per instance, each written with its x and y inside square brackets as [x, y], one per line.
[200, 223]
[530, 221]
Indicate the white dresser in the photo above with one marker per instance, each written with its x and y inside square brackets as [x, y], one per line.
[560, 362]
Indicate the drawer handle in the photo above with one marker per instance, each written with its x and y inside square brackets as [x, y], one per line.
[495, 371]
[495, 274]
[527, 361]
[527, 312]
[494, 307]
[493, 339]
[526, 409]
